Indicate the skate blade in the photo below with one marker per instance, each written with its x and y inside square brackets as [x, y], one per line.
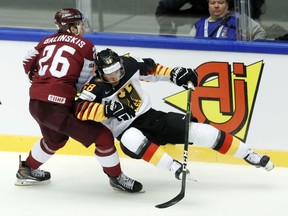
[269, 166]
[30, 182]
[125, 191]
[190, 178]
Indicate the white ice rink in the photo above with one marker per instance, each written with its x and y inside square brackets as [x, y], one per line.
[79, 187]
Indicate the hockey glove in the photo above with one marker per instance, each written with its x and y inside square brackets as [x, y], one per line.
[118, 110]
[180, 76]
[31, 74]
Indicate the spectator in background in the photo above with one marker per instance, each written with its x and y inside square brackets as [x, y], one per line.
[222, 23]
[170, 14]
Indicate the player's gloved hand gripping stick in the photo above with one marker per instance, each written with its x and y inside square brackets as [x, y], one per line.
[181, 195]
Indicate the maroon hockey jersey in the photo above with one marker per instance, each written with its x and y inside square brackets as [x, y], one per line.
[62, 64]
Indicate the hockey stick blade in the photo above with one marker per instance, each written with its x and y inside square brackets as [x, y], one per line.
[181, 195]
[171, 202]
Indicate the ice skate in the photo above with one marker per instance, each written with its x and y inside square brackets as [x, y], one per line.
[258, 160]
[27, 176]
[124, 183]
[177, 167]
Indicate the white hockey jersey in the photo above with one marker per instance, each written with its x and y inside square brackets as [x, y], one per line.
[128, 91]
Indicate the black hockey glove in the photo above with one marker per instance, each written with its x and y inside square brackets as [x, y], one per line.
[180, 76]
[118, 110]
[31, 74]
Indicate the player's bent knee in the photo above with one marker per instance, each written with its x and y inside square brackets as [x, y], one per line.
[134, 143]
[204, 135]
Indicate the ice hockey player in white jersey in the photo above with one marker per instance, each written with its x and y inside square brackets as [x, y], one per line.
[114, 97]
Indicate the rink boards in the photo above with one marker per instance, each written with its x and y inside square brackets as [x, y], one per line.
[259, 67]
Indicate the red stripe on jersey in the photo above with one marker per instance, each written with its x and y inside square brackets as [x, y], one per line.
[226, 144]
[82, 109]
[150, 152]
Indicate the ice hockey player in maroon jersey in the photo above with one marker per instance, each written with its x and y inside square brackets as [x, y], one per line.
[116, 88]
[58, 66]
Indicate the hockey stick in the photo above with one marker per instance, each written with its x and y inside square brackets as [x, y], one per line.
[181, 195]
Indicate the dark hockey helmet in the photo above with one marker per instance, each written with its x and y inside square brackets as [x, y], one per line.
[66, 17]
[109, 66]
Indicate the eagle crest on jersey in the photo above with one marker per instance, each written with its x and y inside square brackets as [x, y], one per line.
[129, 96]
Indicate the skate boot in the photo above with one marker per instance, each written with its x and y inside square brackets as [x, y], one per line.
[258, 160]
[124, 183]
[177, 167]
[27, 176]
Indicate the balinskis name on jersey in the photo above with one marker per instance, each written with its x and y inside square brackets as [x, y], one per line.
[66, 38]
[62, 63]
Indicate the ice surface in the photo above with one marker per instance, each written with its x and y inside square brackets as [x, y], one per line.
[79, 187]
